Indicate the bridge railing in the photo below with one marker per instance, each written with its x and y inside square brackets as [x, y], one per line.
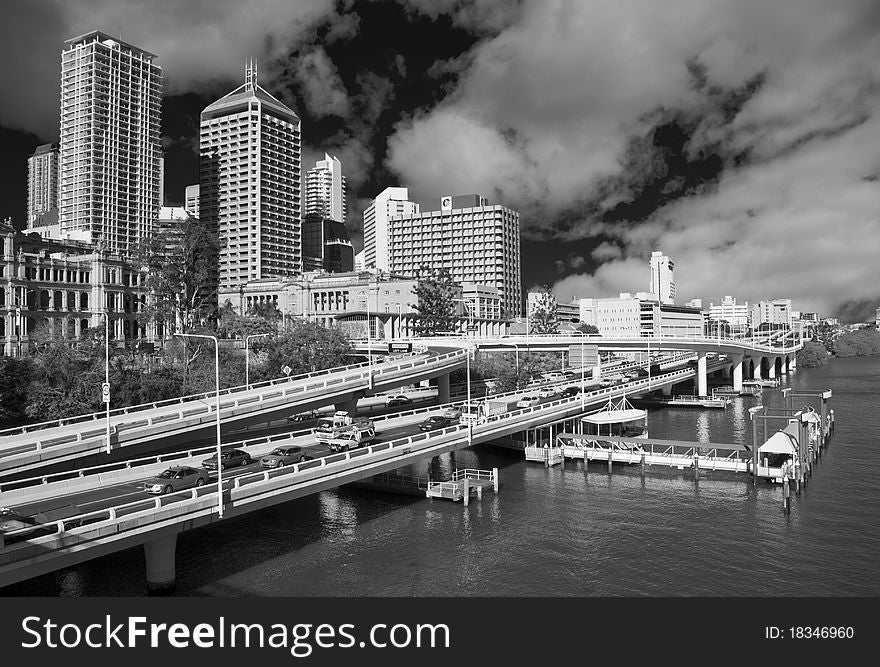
[386, 370]
[96, 416]
[284, 437]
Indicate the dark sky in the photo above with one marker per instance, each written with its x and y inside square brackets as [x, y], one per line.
[741, 138]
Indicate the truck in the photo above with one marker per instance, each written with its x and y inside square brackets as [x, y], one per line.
[478, 412]
[357, 435]
[341, 421]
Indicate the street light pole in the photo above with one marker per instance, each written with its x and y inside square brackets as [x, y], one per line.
[217, 408]
[247, 358]
[106, 392]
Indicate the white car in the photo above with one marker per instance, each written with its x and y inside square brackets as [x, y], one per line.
[527, 401]
[547, 392]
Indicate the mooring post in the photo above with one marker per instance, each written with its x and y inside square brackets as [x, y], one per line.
[643, 464]
[696, 465]
[495, 479]
[610, 454]
[467, 492]
[786, 493]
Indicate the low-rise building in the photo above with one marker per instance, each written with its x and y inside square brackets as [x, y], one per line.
[63, 288]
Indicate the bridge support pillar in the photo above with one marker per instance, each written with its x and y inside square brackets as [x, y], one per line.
[792, 363]
[349, 406]
[738, 375]
[757, 375]
[725, 372]
[161, 573]
[443, 389]
[771, 369]
[702, 384]
[666, 390]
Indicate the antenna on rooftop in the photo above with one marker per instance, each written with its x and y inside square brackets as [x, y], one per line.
[250, 72]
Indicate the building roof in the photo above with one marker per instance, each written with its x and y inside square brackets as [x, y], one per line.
[102, 36]
[245, 93]
[45, 148]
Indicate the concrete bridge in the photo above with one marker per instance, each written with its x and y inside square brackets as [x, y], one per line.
[155, 522]
[136, 429]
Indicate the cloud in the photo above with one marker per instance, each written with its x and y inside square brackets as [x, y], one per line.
[323, 91]
[736, 137]
[198, 42]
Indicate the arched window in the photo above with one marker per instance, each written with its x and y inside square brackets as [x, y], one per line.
[84, 301]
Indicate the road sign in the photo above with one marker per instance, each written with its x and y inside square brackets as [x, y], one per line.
[287, 370]
[399, 347]
[473, 328]
[105, 392]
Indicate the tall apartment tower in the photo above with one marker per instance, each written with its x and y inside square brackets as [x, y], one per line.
[476, 242]
[43, 186]
[250, 183]
[391, 202]
[662, 283]
[109, 151]
[325, 189]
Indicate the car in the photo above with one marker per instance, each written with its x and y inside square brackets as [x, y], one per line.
[229, 458]
[397, 399]
[568, 392]
[433, 423]
[304, 416]
[282, 456]
[452, 414]
[547, 392]
[15, 527]
[527, 401]
[176, 478]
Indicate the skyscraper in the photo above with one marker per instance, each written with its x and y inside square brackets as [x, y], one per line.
[325, 189]
[109, 150]
[250, 183]
[662, 284]
[390, 202]
[43, 186]
[191, 199]
[477, 243]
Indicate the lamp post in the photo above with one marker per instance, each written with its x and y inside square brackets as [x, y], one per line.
[366, 298]
[468, 370]
[247, 358]
[217, 408]
[105, 390]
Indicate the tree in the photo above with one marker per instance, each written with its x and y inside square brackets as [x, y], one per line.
[583, 327]
[303, 346]
[436, 301]
[15, 376]
[264, 319]
[813, 354]
[544, 317]
[859, 343]
[178, 264]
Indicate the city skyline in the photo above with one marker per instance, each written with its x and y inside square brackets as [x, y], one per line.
[736, 149]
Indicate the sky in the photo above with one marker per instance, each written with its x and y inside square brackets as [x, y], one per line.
[739, 137]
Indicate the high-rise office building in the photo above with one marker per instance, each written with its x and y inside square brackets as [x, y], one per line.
[249, 183]
[326, 245]
[191, 200]
[662, 283]
[325, 189]
[391, 202]
[476, 242]
[109, 151]
[43, 186]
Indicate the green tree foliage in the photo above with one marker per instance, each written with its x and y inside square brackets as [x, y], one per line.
[265, 319]
[544, 316]
[15, 376]
[812, 355]
[303, 346]
[66, 379]
[587, 328]
[859, 343]
[436, 306]
[178, 264]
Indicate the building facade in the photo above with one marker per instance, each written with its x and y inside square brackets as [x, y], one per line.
[61, 288]
[191, 200]
[662, 282]
[737, 315]
[43, 186]
[391, 202]
[641, 315]
[110, 148]
[325, 189]
[326, 245]
[776, 312]
[250, 183]
[476, 242]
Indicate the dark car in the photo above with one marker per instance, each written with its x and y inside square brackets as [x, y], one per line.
[433, 423]
[176, 478]
[304, 416]
[282, 456]
[398, 399]
[568, 392]
[229, 458]
[15, 527]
